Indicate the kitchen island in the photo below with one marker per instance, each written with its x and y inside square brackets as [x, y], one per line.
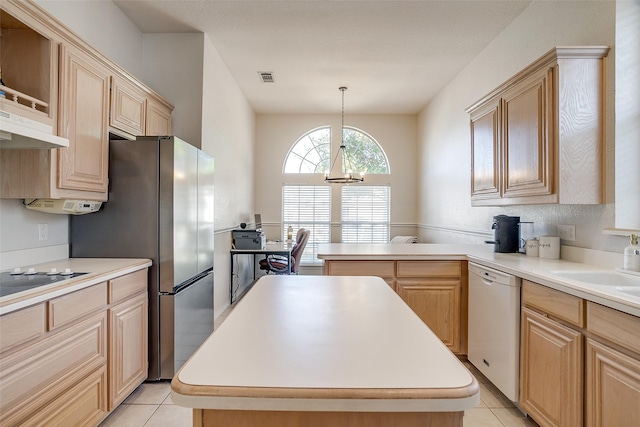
[317, 350]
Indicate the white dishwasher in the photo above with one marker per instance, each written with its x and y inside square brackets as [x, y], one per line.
[494, 327]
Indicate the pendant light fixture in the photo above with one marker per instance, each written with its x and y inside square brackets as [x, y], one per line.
[348, 177]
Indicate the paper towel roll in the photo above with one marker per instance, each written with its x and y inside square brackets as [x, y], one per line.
[549, 247]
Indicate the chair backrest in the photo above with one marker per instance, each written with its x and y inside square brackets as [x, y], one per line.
[296, 254]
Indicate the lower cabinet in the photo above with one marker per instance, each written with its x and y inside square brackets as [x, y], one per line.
[437, 303]
[127, 348]
[72, 359]
[579, 361]
[612, 368]
[435, 290]
[551, 371]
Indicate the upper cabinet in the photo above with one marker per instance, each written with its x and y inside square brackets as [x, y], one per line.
[56, 79]
[136, 111]
[539, 137]
[158, 118]
[29, 63]
[84, 103]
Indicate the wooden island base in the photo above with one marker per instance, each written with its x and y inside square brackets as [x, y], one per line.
[217, 418]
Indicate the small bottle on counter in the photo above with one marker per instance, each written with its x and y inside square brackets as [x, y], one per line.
[632, 255]
[289, 233]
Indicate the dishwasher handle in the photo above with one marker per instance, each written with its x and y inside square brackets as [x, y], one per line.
[490, 275]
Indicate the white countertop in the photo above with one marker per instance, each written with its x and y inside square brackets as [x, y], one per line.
[379, 251]
[310, 343]
[531, 268]
[97, 269]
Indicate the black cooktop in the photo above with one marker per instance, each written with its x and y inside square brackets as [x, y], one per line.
[14, 283]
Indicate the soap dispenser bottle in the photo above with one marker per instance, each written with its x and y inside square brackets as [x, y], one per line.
[632, 255]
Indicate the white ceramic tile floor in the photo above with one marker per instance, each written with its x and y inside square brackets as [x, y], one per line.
[150, 405]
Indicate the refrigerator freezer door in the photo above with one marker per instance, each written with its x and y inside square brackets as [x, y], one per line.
[186, 320]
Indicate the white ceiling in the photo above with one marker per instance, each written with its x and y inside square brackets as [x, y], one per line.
[394, 56]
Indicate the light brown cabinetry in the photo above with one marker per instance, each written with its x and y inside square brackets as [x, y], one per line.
[29, 61]
[84, 110]
[72, 359]
[435, 290]
[564, 340]
[128, 107]
[128, 330]
[158, 118]
[612, 368]
[135, 111]
[58, 80]
[551, 371]
[539, 137]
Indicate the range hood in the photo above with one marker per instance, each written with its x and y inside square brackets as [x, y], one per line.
[20, 133]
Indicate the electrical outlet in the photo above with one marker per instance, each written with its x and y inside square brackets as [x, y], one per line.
[43, 232]
[567, 232]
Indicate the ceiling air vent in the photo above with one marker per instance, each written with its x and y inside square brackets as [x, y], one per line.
[266, 76]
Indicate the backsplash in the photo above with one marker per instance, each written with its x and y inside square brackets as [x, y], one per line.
[20, 235]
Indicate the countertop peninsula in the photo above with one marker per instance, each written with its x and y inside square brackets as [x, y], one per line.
[307, 345]
[535, 269]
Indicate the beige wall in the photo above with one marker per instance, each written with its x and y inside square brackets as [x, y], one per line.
[445, 213]
[276, 134]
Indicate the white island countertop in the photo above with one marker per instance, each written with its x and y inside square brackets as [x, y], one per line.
[321, 343]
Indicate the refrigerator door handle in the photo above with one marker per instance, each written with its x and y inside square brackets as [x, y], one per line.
[189, 282]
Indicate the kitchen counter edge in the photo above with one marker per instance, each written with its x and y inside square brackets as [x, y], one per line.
[534, 269]
[103, 269]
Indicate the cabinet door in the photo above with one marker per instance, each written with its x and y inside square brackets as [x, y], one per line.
[528, 156]
[127, 348]
[437, 303]
[128, 107]
[485, 152]
[613, 387]
[84, 103]
[158, 119]
[550, 371]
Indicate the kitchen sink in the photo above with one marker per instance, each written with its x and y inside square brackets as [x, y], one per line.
[629, 290]
[602, 278]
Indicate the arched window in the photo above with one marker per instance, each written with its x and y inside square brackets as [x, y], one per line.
[365, 209]
[363, 152]
[311, 153]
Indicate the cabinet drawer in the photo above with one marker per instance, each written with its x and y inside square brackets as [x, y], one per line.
[429, 269]
[39, 373]
[84, 404]
[22, 326]
[70, 307]
[382, 269]
[563, 306]
[126, 286]
[613, 325]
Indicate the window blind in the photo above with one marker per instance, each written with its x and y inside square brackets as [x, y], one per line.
[307, 206]
[365, 214]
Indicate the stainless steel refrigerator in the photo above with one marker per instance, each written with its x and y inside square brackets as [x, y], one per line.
[160, 207]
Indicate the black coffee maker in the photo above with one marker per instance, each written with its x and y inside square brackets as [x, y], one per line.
[506, 235]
